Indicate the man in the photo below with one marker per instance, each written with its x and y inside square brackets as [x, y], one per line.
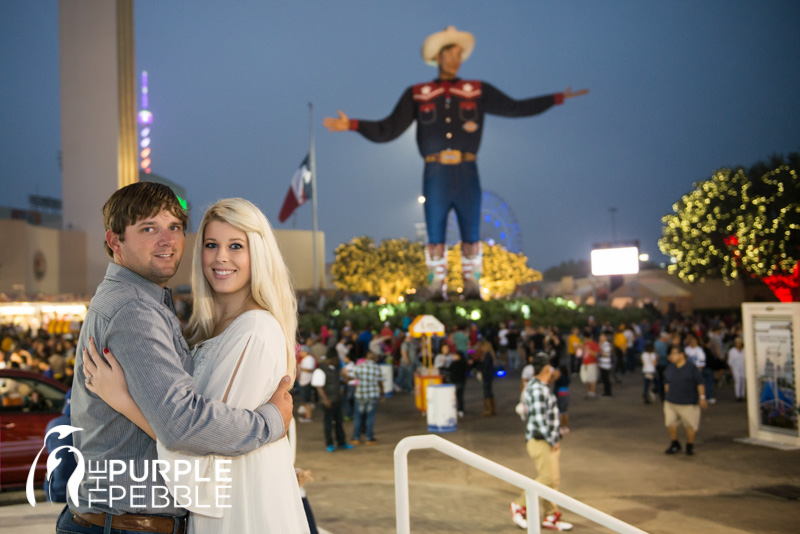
[685, 395]
[369, 390]
[132, 314]
[405, 369]
[543, 442]
[449, 112]
[326, 378]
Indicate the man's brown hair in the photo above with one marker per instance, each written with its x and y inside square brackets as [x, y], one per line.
[138, 201]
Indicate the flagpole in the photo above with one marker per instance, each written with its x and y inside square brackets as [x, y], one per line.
[313, 167]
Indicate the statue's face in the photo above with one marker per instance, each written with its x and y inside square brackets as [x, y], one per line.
[450, 62]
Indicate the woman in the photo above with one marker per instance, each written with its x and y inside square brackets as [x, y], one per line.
[242, 332]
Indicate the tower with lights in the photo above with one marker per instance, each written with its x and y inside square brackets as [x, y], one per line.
[145, 120]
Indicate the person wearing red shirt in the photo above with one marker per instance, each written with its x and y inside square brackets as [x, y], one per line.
[589, 367]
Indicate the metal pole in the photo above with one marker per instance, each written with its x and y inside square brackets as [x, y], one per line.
[613, 224]
[313, 164]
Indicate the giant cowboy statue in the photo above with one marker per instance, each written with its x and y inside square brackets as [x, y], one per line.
[449, 112]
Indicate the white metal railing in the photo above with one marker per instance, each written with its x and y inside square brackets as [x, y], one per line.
[533, 489]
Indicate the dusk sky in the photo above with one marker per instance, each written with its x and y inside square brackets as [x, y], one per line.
[678, 89]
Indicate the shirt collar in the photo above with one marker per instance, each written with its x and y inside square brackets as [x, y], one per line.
[123, 274]
[453, 81]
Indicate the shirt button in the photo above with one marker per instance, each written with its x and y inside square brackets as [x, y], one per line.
[447, 120]
[449, 135]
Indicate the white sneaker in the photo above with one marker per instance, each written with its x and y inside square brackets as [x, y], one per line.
[518, 514]
[553, 522]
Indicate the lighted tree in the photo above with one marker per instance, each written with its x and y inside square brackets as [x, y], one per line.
[740, 224]
[388, 270]
[503, 271]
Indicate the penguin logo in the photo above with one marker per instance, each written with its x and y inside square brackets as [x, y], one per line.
[52, 462]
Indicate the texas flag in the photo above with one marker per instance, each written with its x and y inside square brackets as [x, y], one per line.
[299, 191]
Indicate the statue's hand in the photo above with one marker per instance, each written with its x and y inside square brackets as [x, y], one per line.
[339, 124]
[569, 93]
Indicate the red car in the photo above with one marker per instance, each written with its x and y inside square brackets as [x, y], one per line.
[28, 401]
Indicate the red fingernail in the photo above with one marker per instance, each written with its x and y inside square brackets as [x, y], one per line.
[105, 351]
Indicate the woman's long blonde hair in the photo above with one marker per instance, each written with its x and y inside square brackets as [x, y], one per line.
[270, 284]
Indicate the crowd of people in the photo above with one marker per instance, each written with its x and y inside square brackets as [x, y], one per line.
[38, 351]
[681, 361]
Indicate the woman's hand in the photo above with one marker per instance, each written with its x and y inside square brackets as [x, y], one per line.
[106, 380]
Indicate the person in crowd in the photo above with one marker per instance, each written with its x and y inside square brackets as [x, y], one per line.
[342, 348]
[461, 340]
[543, 444]
[458, 377]
[406, 364]
[661, 346]
[695, 353]
[574, 349]
[685, 395]
[736, 361]
[488, 361]
[243, 332]
[442, 362]
[349, 387]
[561, 385]
[513, 347]
[620, 348]
[307, 365]
[649, 360]
[605, 361]
[327, 380]
[369, 391]
[588, 373]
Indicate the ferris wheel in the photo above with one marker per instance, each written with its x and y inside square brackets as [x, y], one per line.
[498, 224]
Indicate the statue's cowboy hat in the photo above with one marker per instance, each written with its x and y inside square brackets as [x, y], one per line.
[449, 36]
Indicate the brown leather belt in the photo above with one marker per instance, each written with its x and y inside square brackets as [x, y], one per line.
[135, 523]
[450, 157]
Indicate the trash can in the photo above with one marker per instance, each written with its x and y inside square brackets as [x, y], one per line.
[421, 382]
[441, 408]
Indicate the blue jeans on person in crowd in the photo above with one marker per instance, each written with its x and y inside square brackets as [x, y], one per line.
[708, 379]
[405, 378]
[365, 410]
[349, 400]
[513, 360]
[66, 525]
[487, 387]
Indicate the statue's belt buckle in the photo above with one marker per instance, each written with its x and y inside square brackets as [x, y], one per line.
[450, 157]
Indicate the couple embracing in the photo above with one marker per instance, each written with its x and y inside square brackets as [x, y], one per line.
[214, 406]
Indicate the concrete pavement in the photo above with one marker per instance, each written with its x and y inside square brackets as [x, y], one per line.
[613, 460]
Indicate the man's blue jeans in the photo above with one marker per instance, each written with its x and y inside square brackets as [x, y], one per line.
[365, 412]
[66, 525]
[405, 378]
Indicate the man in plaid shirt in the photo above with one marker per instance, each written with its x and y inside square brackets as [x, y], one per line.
[369, 390]
[543, 442]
